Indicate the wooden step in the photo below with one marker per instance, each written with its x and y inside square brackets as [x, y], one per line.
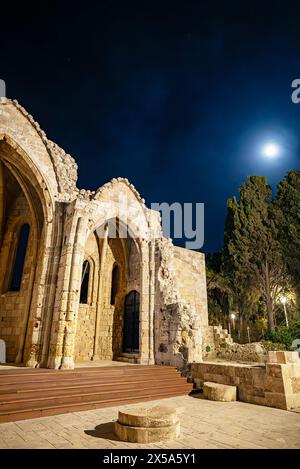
[83, 389]
[49, 378]
[85, 397]
[48, 374]
[55, 410]
[27, 393]
[55, 380]
[65, 386]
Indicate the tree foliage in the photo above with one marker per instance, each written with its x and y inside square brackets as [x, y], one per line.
[252, 252]
[287, 214]
[260, 259]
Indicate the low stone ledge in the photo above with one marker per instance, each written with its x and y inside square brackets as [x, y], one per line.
[219, 392]
[283, 358]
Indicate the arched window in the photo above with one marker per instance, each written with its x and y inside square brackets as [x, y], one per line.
[85, 278]
[115, 278]
[17, 272]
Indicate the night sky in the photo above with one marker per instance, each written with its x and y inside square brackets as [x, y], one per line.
[177, 96]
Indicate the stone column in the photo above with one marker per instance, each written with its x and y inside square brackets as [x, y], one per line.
[73, 298]
[2, 190]
[100, 291]
[151, 300]
[55, 240]
[144, 304]
[61, 316]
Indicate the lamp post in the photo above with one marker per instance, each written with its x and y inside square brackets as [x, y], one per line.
[248, 333]
[233, 320]
[283, 301]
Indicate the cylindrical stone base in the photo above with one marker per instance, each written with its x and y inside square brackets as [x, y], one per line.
[142, 425]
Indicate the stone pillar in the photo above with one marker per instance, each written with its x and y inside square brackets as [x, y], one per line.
[100, 290]
[151, 300]
[55, 243]
[39, 311]
[2, 189]
[65, 308]
[144, 304]
[73, 298]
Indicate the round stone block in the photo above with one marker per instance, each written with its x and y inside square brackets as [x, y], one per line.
[219, 392]
[148, 425]
[158, 416]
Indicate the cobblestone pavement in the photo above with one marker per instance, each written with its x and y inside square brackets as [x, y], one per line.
[204, 424]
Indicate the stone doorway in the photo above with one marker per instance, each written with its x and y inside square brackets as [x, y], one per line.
[131, 333]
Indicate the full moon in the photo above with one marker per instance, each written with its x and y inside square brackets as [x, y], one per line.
[270, 150]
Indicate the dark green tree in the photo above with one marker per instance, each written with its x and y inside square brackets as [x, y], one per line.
[252, 252]
[287, 216]
[218, 290]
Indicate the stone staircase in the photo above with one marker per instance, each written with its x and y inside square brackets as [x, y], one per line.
[128, 358]
[29, 393]
[222, 336]
[216, 341]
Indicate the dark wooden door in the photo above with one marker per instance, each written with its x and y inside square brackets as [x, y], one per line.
[131, 322]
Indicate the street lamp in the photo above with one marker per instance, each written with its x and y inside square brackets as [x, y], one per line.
[248, 333]
[283, 301]
[233, 319]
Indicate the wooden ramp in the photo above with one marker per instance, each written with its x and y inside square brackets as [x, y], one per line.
[29, 393]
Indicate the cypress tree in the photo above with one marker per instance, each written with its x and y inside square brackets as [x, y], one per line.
[252, 252]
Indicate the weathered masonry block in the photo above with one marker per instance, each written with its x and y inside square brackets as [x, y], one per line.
[219, 392]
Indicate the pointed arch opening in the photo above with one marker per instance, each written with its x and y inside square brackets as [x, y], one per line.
[20, 255]
[131, 322]
[115, 283]
[85, 281]
[25, 204]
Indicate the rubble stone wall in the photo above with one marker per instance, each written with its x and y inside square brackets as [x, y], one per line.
[178, 322]
[217, 343]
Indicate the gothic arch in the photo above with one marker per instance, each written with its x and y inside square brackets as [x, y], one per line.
[29, 190]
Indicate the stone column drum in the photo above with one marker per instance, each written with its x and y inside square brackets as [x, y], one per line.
[148, 425]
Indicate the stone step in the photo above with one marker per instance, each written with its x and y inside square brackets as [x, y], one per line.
[129, 357]
[126, 360]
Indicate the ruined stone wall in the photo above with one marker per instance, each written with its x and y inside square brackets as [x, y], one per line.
[58, 169]
[218, 344]
[171, 281]
[189, 270]
[178, 322]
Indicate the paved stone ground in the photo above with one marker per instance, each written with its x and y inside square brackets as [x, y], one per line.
[204, 424]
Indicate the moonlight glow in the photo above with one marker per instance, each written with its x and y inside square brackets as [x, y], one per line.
[270, 150]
